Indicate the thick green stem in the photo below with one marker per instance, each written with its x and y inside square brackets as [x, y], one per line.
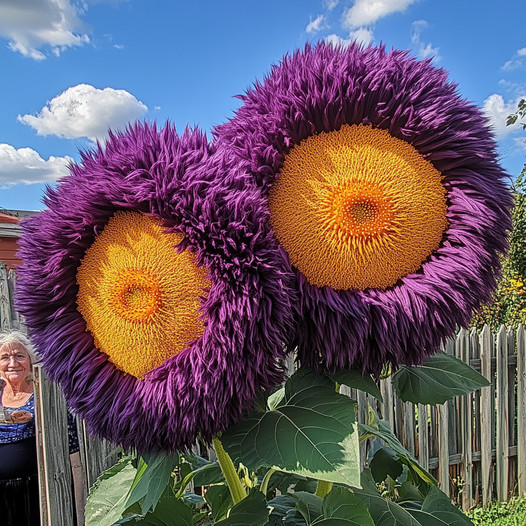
[323, 488]
[229, 471]
[264, 483]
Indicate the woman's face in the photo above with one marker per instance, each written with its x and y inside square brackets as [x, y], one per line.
[14, 363]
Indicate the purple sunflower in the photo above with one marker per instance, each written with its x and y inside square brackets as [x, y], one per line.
[383, 189]
[151, 293]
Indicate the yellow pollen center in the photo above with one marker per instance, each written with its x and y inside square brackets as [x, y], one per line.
[360, 212]
[135, 295]
[140, 298]
[357, 208]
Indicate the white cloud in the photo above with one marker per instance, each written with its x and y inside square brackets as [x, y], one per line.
[315, 25]
[497, 111]
[337, 40]
[422, 49]
[520, 144]
[362, 35]
[516, 62]
[367, 12]
[330, 4]
[32, 25]
[85, 111]
[25, 166]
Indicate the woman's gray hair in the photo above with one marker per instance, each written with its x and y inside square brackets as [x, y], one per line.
[17, 337]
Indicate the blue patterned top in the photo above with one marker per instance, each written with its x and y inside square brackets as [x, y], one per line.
[14, 432]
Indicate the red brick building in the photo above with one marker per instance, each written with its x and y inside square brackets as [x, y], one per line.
[9, 232]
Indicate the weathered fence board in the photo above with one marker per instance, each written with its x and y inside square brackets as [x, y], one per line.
[521, 410]
[486, 414]
[502, 414]
[53, 453]
[6, 301]
[466, 428]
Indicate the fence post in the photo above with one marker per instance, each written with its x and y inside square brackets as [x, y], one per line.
[56, 487]
[502, 414]
[97, 455]
[443, 447]
[5, 299]
[487, 405]
[466, 426]
[423, 437]
[521, 409]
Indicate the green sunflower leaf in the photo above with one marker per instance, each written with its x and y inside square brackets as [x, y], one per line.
[440, 378]
[107, 499]
[383, 512]
[312, 432]
[355, 379]
[168, 512]
[219, 499]
[438, 504]
[341, 504]
[153, 475]
[251, 510]
[310, 506]
[380, 429]
[279, 506]
[385, 462]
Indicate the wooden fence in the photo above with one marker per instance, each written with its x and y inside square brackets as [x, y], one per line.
[475, 445]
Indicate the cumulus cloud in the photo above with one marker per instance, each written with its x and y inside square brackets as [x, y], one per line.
[337, 40]
[32, 25]
[25, 166]
[497, 111]
[330, 4]
[85, 111]
[517, 61]
[367, 12]
[362, 35]
[422, 49]
[315, 25]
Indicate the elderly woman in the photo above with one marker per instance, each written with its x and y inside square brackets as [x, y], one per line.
[19, 499]
[19, 495]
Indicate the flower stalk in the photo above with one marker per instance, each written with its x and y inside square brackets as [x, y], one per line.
[323, 488]
[229, 471]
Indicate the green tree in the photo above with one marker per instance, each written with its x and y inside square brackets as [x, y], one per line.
[508, 305]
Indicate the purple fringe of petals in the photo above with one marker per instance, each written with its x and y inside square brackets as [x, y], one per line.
[320, 89]
[207, 387]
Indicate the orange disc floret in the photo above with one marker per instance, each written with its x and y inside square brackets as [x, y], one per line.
[140, 298]
[357, 208]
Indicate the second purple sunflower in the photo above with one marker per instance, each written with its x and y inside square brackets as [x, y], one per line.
[383, 189]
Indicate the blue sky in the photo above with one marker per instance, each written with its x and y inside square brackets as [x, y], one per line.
[71, 69]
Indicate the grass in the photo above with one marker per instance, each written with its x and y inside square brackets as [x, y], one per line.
[511, 513]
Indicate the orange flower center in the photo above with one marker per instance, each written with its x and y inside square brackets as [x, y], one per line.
[357, 208]
[135, 296]
[140, 298]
